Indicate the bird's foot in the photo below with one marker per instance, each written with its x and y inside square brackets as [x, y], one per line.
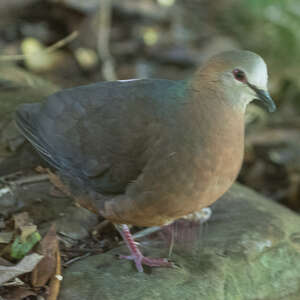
[140, 260]
[136, 254]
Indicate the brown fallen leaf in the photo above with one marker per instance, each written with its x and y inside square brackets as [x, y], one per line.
[22, 219]
[19, 293]
[48, 247]
[14, 283]
[27, 264]
[24, 223]
[54, 286]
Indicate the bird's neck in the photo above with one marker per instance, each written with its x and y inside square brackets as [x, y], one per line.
[218, 115]
[212, 89]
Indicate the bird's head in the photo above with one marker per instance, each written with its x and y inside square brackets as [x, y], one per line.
[241, 76]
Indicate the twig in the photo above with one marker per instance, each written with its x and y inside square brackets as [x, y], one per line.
[9, 177]
[108, 70]
[76, 259]
[83, 250]
[31, 179]
[49, 49]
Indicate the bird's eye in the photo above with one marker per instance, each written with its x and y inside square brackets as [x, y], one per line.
[239, 75]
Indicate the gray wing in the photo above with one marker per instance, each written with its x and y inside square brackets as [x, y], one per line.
[101, 133]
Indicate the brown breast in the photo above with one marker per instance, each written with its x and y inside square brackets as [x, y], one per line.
[190, 170]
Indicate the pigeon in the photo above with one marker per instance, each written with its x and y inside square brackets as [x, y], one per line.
[146, 152]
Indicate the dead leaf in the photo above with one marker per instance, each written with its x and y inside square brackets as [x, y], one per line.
[27, 230]
[15, 282]
[27, 264]
[22, 219]
[24, 223]
[54, 286]
[48, 247]
[19, 293]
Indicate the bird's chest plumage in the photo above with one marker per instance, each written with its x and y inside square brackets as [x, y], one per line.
[202, 170]
[217, 166]
[187, 169]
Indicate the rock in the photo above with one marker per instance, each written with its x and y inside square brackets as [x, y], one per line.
[250, 250]
[34, 198]
[76, 223]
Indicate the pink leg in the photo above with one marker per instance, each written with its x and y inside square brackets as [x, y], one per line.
[136, 254]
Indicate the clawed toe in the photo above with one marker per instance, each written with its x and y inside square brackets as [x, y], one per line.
[136, 255]
[141, 260]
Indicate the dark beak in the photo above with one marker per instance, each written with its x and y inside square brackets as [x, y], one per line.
[265, 97]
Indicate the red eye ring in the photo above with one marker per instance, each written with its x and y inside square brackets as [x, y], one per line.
[239, 75]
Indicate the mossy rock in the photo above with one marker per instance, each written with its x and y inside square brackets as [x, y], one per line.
[250, 250]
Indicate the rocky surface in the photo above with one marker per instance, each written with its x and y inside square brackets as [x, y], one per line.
[249, 250]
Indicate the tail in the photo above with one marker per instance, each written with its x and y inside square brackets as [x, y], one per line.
[26, 120]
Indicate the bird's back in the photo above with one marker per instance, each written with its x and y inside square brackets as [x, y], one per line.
[102, 132]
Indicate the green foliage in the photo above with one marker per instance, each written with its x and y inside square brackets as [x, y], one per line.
[20, 248]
